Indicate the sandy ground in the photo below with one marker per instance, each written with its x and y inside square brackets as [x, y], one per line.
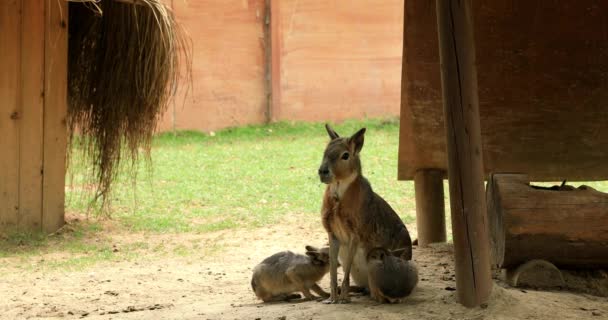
[215, 285]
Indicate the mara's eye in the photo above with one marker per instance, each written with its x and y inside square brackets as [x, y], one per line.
[345, 156]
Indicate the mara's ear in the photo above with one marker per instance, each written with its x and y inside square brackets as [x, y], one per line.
[332, 134]
[311, 248]
[357, 140]
[312, 254]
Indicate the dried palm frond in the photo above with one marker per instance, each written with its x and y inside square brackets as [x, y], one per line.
[124, 67]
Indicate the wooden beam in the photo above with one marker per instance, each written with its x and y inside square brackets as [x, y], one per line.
[430, 206]
[10, 63]
[31, 115]
[55, 111]
[465, 163]
[275, 57]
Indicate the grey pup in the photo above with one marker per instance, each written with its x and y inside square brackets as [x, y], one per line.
[281, 275]
[391, 277]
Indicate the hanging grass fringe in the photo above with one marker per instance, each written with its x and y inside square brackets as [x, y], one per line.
[125, 61]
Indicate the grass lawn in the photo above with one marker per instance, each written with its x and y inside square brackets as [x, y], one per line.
[244, 177]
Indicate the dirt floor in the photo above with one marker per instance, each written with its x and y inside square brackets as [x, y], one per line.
[215, 285]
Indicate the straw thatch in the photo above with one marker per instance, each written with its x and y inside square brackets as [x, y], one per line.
[124, 65]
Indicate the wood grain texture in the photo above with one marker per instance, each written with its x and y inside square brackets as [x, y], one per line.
[566, 228]
[275, 58]
[543, 83]
[32, 105]
[10, 65]
[340, 59]
[55, 111]
[465, 164]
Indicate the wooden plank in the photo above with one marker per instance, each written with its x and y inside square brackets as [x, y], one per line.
[10, 55]
[276, 52]
[340, 59]
[228, 87]
[465, 164]
[32, 104]
[542, 88]
[268, 59]
[55, 111]
[430, 206]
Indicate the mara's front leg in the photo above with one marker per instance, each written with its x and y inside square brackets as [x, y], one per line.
[351, 249]
[334, 247]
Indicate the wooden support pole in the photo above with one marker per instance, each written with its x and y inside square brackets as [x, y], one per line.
[430, 206]
[465, 163]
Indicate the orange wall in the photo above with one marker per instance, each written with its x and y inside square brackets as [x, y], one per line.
[338, 60]
[228, 65]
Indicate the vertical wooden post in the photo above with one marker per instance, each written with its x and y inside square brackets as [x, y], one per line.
[10, 65]
[430, 206]
[55, 111]
[275, 59]
[465, 163]
[31, 118]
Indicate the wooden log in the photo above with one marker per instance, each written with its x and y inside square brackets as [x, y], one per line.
[465, 164]
[566, 226]
[430, 206]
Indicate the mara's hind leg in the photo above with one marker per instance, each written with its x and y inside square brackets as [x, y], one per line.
[320, 291]
[299, 282]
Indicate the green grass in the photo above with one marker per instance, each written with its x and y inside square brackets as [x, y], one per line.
[243, 177]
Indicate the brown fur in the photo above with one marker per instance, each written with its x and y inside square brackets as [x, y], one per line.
[391, 278]
[279, 276]
[355, 217]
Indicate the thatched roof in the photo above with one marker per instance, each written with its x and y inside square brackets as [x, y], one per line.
[124, 65]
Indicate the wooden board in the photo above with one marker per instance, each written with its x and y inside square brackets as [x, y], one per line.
[275, 58]
[55, 111]
[543, 87]
[340, 59]
[228, 86]
[10, 64]
[31, 119]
